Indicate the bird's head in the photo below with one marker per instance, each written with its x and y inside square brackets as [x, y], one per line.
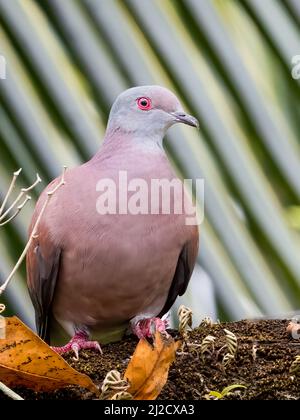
[147, 111]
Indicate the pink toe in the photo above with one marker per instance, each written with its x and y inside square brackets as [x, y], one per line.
[78, 342]
[147, 327]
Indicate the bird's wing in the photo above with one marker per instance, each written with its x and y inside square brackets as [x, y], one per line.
[183, 273]
[42, 273]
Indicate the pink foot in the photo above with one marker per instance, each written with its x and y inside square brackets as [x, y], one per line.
[80, 341]
[147, 327]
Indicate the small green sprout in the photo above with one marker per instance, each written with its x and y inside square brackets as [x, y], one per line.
[226, 391]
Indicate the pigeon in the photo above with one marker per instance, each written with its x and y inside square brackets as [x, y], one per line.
[97, 268]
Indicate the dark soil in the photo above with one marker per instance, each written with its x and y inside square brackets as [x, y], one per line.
[265, 354]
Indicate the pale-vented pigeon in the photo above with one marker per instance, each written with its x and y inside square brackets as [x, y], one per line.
[91, 275]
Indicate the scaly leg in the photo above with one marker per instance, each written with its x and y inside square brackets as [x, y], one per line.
[147, 327]
[80, 341]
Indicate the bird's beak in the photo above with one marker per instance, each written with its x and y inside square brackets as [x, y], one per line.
[181, 117]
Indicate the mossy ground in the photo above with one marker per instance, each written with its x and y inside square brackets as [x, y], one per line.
[265, 354]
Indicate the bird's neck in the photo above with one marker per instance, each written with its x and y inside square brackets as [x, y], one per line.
[126, 142]
[127, 150]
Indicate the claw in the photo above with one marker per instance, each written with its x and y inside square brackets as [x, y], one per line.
[75, 348]
[148, 327]
[78, 342]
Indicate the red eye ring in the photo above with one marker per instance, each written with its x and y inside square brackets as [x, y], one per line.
[144, 103]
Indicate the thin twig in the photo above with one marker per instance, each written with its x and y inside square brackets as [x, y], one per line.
[7, 391]
[11, 187]
[20, 196]
[34, 232]
[10, 393]
[19, 208]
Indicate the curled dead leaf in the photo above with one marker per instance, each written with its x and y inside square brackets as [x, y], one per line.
[148, 369]
[25, 360]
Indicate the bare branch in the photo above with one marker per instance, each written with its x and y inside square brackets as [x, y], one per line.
[7, 391]
[19, 208]
[10, 393]
[20, 196]
[34, 231]
[37, 181]
[11, 187]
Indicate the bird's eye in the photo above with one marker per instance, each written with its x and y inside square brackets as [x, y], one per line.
[144, 103]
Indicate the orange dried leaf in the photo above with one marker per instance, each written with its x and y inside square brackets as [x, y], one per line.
[25, 360]
[148, 369]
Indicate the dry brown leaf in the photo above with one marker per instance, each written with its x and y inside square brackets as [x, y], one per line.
[25, 360]
[148, 369]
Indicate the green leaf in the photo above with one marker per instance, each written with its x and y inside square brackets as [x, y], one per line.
[230, 388]
[216, 394]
